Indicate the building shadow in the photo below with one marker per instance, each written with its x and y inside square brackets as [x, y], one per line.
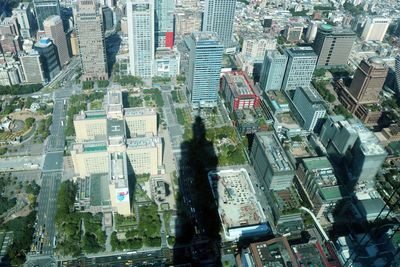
[113, 43]
[197, 224]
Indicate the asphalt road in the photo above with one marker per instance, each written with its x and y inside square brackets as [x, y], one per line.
[51, 179]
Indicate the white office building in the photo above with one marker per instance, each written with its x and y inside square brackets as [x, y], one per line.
[375, 29]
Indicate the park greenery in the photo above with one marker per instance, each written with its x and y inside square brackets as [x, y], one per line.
[129, 80]
[160, 80]
[341, 110]
[320, 72]
[154, 95]
[135, 101]
[323, 91]
[19, 89]
[181, 78]
[43, 129]
[29, 122]
[183, 117]
[86, 85]
[354, 10]
[320, 7]
[3, 150]
[78, 232]
[102, 83]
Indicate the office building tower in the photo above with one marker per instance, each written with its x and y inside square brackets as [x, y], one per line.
[312, 31]
[397, 73]
[205, 55]
[368, 156]
[333, 45]
[26, 19]
[368, 80]
[164, 23]
[32, 68]
[375, 29]
[108, 18]
[255, 46]
[92, 49]
[48, 58]
[309, 106]
[273, 70]
[338, 133]
[219, 16]
[186, 22]
[140, 15]
[73, 39]
[270, 162]
[300, 67]
[293, 32]
[54, 29]
[45, 9]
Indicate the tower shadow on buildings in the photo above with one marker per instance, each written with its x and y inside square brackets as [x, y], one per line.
[197, 224]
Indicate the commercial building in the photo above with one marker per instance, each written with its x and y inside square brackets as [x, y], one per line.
[238, 91]
[219, 16]
[240, 213]
[333, 45]
[53, 28]
[368, 80]
[45, 9]
[144, 154]
[312, 31]
[92, 50]
[32, 68]
[293, 32]
[10, 75]
[338, 133]
[368, 156]
[140, 122]
[273, 70]
[397, 71]
[90, 158]
[10, 43]
[141, 41]
[26, 19]
[309, 106]
[48, 58]
[205, 57]
[300, 67]
[164, 23]
[90, 125]
[187, 21]
[166, 62]
[256, 47]
[318, 185]
[118, 183]
[108, 18]
[375, 29]
[270, 162]
[274, 252]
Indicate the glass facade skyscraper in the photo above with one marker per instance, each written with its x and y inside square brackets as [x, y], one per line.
[219, 16]
[141, 37]
[273, 70]
[205, 58]
[45, 9]
[164, 23]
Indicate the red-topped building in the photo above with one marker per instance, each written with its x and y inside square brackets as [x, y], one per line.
[238, 91]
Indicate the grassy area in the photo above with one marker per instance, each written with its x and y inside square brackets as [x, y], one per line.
[150, 225]
[154, 96]
[142, 178]
[97, 104]
[135, 101]
[43, 129]
[178, 96]
[123, 223]
[183, 116]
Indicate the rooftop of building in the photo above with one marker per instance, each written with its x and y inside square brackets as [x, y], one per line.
[274, 252]
[237, 202]
[276, 96]
[52, 19]
[99, 191]
[310, 254]
[300, 148]
[139, 111]
[115, 127]
[165, 52]
[372, 206]
[274, 152]
[90, 115]
[114, 97]
[205, 36]
[43, 42]
[287, 119]
[370, 145]
[311, 94]
[143, 142]
[336, 30]
[301, 51]
[322, 170]
[239, 83]
[92, 146]
[118, 169]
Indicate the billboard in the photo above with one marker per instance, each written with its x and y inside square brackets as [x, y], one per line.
[122, 195]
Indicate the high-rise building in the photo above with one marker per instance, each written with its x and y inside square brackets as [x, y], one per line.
[45, 9]
[273, 70]
[293, 32]
[32, 68]
[140, 15]
[92, 49]
[333, 45]
[26, 19]
[187, 21]
[108, 18]
[270, 162]
[48, 57]
[300, 67]
[255, 46]
[368, 80]
[368, 156]
[219, 16]
[397, 71]
[375, 29]
[309, 106]
[205, 56]
[312, 31]
[54, 29]
[164, 23]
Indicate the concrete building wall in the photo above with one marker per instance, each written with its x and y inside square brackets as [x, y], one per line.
[375, 29]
